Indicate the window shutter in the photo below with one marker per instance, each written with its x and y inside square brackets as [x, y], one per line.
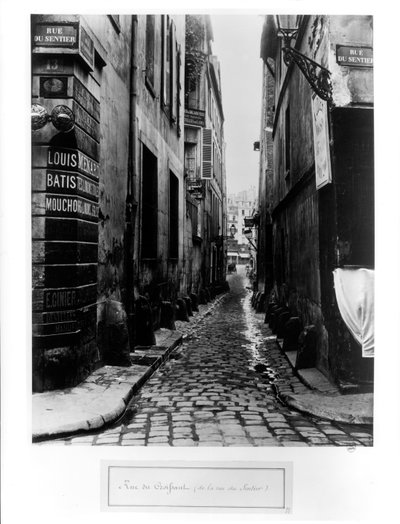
[207, 156]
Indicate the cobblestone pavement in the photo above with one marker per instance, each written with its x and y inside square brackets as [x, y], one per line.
[221, 388]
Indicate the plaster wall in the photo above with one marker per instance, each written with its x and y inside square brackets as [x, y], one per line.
[162, 277]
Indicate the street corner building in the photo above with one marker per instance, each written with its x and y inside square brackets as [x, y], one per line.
[316, 187]
[128, 185]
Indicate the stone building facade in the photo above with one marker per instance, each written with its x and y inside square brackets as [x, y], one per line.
[241, 208]
[309, 226]
[204, 158]
[110, 217]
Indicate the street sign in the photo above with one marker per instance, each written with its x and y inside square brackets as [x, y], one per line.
[56, 35]
[355, 56]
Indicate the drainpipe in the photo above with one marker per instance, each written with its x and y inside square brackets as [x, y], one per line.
[131, 203]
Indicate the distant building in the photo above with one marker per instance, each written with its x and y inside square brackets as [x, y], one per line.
[317, 179]
[241, 206]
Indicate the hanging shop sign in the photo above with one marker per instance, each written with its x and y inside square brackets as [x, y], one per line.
[323, 173]
[195, 188]
[355, 56]
[195, 117]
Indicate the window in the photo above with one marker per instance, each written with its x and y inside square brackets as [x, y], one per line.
[173, 216]
[193, 213]
[287, 141]
[191, 161]
[171, 64]
[149, 204]
[166, 58]
[178, 89]
[150, 38]
[192, 85]
[174, 74]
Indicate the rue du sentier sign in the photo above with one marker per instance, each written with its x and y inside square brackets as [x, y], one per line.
[66, 35]
[354, 56]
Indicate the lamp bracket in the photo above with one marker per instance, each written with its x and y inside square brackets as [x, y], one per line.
[316, 75]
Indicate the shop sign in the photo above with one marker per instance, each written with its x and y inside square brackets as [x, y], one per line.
[86, 122]
[323, 173]
[86, 47]
[354, 56]
[60, 299]
[86, 99]
[195, 117]
[71, 206]
[56, 35]
[54, 86]
[72, 160]
[63, 182]
[195, 188]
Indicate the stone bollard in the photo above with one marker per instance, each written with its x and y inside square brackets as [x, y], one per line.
[144, 329]
[195, 302]
[291, 334]
[211, 291]
[260, 304]
[181, 310]
[115, 350]
[273, 321]
[167, 317]
[254, 298]
[280, 325]
[307, 348]
[270, 308]
[202, 297]
[188, 306]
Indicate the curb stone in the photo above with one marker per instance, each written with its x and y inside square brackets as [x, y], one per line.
[105, 394]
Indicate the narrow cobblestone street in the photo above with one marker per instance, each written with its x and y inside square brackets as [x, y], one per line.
[221, 388]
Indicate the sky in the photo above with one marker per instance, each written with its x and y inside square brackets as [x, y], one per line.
[237, 46]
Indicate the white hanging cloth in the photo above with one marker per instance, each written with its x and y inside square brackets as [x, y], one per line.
[354, 290]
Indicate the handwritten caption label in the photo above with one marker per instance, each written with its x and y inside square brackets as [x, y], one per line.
[259, 488]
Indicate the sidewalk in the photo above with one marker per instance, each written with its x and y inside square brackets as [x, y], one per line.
[105, 394]
[325, 400]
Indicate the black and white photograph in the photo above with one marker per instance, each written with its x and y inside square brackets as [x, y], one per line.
[194, 285]
[199, 252]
